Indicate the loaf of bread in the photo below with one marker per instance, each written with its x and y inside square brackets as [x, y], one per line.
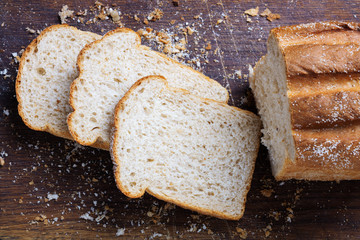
[47, 69]
[194, 152]
[307, 92]
[108, 68]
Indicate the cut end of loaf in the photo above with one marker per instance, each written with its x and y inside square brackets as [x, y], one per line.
[191, 151]
[269, 86]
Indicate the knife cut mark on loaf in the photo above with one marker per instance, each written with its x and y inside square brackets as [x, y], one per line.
[47, 68]
[194, 152]
[108, 68]
[307, 91]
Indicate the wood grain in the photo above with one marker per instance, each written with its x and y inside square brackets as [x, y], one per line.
[38, 164]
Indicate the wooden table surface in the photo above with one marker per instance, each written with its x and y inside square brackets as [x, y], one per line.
[40, 167]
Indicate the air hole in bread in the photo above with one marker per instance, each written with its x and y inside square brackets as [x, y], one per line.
[150, 160]
[132, 174]
[92, 119]
[141, 90]
[163, 115]
[117, 80]
[41, 71]
[132, 184]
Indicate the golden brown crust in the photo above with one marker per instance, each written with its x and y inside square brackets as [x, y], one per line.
[80, 68]
[322, 68]
[326, 154]
[30, 48]
[117, 162]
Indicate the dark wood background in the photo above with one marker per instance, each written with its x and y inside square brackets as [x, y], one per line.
[37, 163]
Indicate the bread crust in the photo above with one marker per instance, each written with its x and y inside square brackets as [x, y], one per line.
[28, 50]
[117, 164]
[97, 141]
[322, 69]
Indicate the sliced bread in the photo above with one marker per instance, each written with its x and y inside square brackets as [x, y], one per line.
[191, 151]
[47, 69]
[108, 68]
[307, 90]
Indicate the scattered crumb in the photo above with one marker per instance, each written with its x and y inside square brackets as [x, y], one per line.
[87, 216]
[267, 230]
[155, 15]
[208, 46]
[136, 18]
[267, 192]
[248, 19]
[114, 15]
[252, 11]
[189, 30]
[265, 13]
[120, 232]
[30, 30]
[31, 182]
[65, 13]
[2, 162]
[219, 21]
[238, 74]
[273, 16]
[242, 232]
[3, 24]
[51, 196]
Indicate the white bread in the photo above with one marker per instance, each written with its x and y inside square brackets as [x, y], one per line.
[194, 152]
[108, 68]
[308, 94]
[47, 69]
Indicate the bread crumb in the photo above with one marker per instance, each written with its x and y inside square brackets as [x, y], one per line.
[3, 24]
[242, 232]
[20, 201]
[51, 196]
[248, 19]
[267, 192]
[136, 18]
[219, 21]
[146, 22]
[150, 214]
[155, 15]
[65, 13]
[30, 30]
[273, 16]
[120, 232]
[2, 161]
[189, 30]
[252, 11]
[265, 13]
[238, 74]
[172, 22]
[208, 46]
[31, 182]
[114, 15]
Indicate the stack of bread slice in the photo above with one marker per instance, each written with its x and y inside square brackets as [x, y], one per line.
[173, 135]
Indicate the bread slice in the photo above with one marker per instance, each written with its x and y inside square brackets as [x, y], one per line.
[108, 68]
[307, 90]
[194, 152]
[47, 68]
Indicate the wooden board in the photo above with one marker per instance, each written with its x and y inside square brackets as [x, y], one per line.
[38, 164]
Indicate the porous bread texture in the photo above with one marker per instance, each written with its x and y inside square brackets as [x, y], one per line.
[47, 69]
[268, 83]
[194, 152]
[109, 67]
